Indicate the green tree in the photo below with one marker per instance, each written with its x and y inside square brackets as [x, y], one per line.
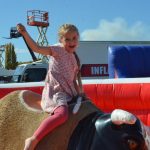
[10, 57]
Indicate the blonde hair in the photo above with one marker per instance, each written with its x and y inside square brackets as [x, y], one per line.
[65, 28]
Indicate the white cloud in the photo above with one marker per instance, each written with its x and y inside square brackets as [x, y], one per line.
[117, 30]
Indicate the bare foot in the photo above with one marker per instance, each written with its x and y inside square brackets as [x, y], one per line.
[30, 143]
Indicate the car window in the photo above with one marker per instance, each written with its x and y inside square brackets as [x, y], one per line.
[34, 74]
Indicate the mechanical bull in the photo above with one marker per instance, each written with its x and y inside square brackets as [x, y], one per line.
[89, 129]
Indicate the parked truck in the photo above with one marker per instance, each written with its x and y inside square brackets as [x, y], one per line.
[33, 72]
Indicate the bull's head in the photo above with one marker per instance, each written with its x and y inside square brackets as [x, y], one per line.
[117, 131]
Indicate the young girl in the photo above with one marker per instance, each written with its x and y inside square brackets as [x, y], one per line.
[61, 84]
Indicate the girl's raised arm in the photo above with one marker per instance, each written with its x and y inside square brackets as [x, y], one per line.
[44, 50]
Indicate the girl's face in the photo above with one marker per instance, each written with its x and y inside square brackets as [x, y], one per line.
[70, 41]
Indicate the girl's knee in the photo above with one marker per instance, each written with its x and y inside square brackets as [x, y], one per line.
[63, 113]
[64, 116]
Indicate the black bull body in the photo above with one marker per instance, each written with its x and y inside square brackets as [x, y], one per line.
[89, 129]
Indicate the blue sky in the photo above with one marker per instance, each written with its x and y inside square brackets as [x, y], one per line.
[99, 20]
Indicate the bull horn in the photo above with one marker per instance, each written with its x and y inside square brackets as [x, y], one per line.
[119, 116]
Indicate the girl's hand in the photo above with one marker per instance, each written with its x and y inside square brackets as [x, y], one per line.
[21, 29]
